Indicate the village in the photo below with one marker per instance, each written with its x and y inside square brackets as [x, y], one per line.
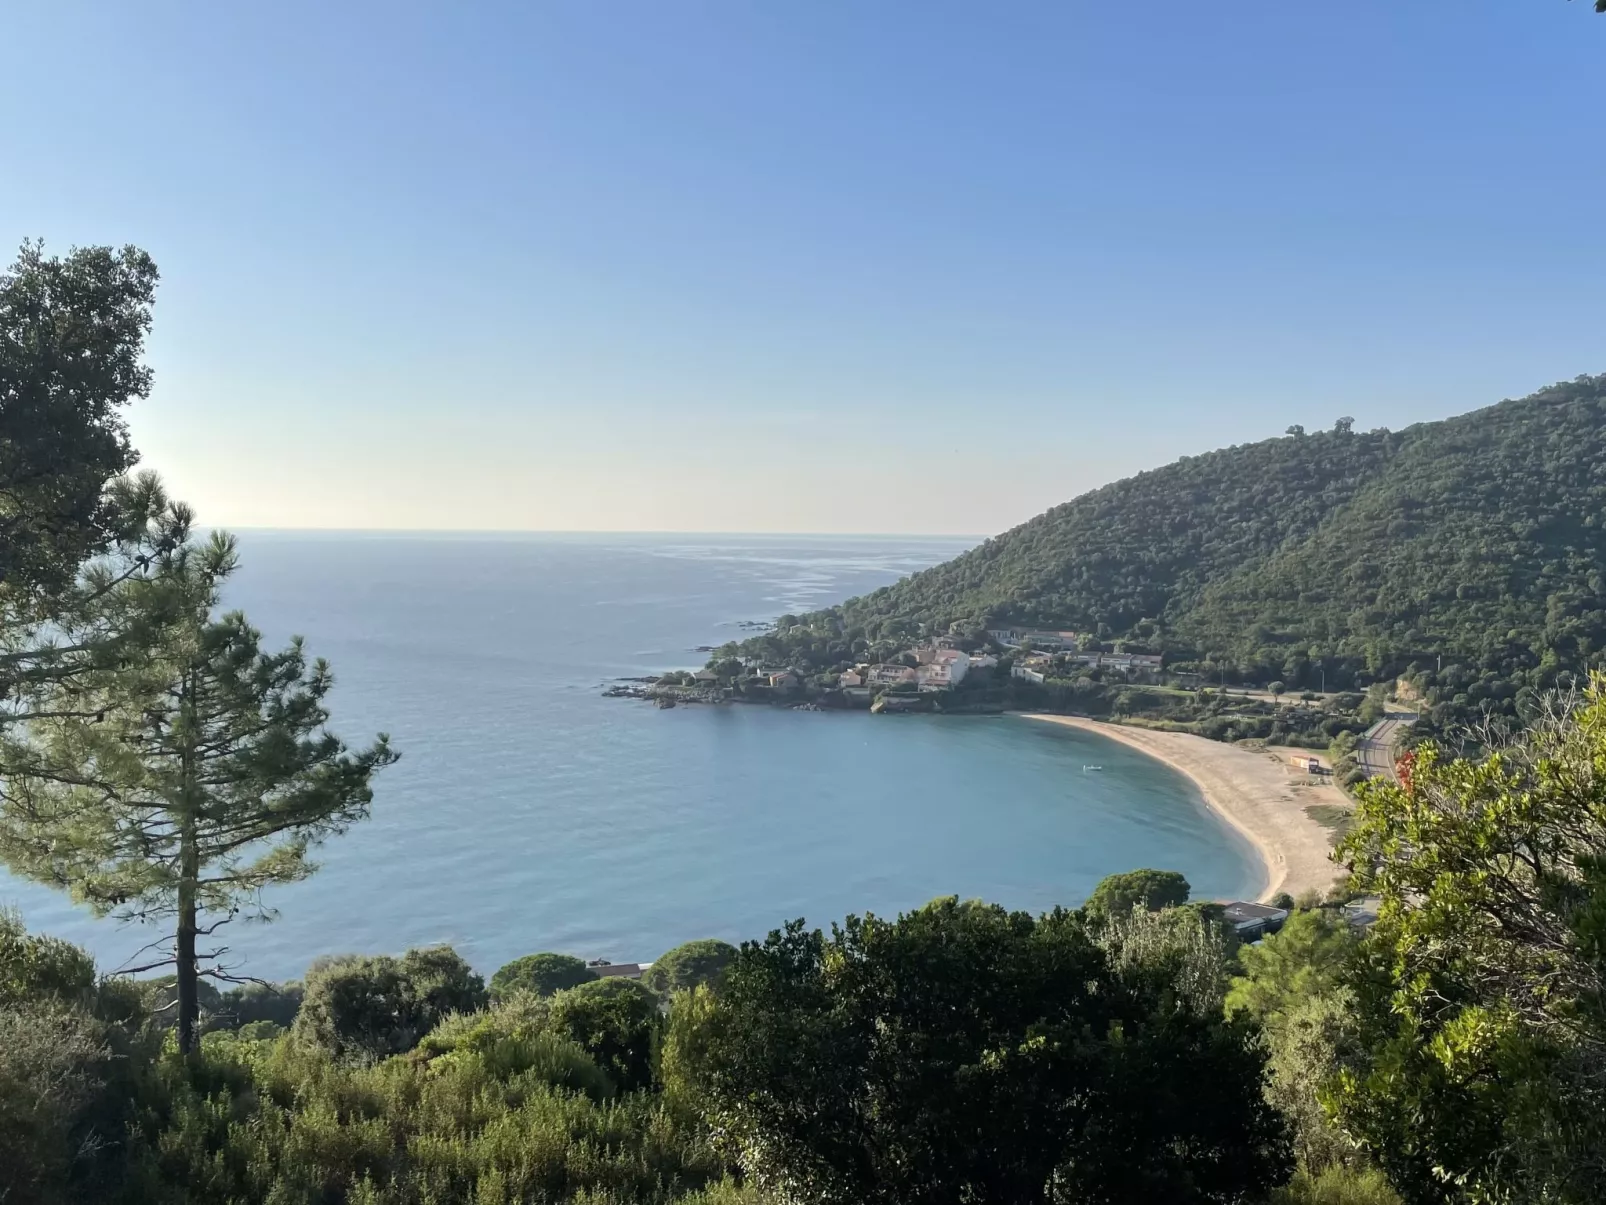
[930, 667]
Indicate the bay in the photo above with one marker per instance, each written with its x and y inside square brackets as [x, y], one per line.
[530, 813]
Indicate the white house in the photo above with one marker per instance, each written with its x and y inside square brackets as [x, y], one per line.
[940, 668]
[850, 677]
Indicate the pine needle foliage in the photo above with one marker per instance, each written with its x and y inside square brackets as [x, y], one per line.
[176, 783]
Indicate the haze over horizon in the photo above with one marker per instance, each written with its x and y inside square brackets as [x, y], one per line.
[700, 268]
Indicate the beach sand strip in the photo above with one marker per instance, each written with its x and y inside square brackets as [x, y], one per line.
[1254, 791]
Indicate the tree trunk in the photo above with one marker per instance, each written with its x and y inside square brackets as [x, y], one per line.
[184, 946]
[189, 868]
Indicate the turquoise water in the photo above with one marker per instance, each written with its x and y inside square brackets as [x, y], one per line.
[529, 813]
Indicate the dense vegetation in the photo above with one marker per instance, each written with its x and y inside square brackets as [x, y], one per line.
[1468, 555]
[1079, 1060]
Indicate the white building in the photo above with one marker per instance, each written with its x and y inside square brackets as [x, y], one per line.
[958, 663]
[889, 675]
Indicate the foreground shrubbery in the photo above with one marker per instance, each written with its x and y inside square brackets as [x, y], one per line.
[1065, 1057]
[1129, 1051]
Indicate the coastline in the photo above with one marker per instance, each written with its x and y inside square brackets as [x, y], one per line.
[1252, 792]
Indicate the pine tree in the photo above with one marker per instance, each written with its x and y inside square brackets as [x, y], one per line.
[178, 781]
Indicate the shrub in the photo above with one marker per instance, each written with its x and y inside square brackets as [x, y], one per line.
[33, 967]
[71, 1055]
[617, 1022]
[372, 1007]
[1337, 1186]
[52, 1071]
[543, 974]
[510, 1041]
[249, 1122]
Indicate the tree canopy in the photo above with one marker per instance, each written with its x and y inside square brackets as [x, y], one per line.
[368, 1008]
[542, 974]
[1482, 989]
[844, 1067]
[689, 965]
[1116, 895]
[72, 334]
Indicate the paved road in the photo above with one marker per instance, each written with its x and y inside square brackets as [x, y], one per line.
[1375, 753]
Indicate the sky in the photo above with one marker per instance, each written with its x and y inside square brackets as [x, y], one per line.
[890, 267]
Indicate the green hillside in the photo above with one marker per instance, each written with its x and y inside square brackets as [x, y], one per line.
[1469, 552]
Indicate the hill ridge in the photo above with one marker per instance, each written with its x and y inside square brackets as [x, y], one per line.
[1472, 546]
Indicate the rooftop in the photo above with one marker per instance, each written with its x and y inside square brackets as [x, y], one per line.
[1242, 910]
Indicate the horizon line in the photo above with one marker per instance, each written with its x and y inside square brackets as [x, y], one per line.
[555, 531]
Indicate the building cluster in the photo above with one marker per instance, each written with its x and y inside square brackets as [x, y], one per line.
[1046, 648]
[1138, 666]
[940, 665]
[936, 668]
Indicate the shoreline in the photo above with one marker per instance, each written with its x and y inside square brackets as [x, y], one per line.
[1251, 792]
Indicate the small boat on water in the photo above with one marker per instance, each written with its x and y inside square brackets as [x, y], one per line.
[1085, 769]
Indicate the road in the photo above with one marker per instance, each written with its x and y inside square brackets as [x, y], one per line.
[1375, 753]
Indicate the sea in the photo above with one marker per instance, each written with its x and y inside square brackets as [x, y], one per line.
[530, 813]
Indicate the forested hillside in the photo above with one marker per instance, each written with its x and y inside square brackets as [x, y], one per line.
[1480, 539]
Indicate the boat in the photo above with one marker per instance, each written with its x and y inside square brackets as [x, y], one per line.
[1085, 769]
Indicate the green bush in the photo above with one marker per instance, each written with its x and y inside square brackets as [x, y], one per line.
[511, 1040]
[371, 1007]
[1337, 1186]
[53, 1068]
[33, 967]
[543, 974]
[258, 1122]
[617, 1022]
[72, 1052]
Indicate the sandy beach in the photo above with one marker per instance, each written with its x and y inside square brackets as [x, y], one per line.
[1253, 791]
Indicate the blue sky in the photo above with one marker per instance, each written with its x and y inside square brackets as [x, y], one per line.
[805, 266]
